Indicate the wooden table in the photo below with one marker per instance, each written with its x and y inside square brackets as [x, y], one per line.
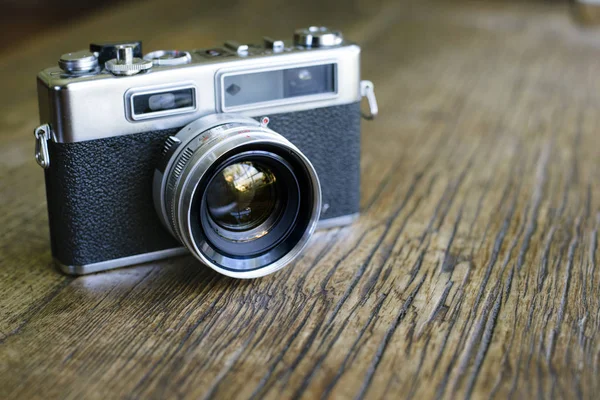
[472, 272]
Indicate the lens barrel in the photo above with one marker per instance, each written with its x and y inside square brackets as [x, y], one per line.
[239, 196]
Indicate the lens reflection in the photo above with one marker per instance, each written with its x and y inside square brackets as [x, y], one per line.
[242, 197]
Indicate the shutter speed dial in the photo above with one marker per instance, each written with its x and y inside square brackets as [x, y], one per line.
[168, 57]
[317, 36]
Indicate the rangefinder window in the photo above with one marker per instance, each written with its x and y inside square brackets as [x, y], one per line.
[253, 88]
[305, 81]
[159, 104]
[278, 85]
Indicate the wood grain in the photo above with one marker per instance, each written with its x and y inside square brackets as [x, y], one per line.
[472, 272]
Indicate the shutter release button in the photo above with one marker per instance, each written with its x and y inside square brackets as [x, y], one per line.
[126, 64]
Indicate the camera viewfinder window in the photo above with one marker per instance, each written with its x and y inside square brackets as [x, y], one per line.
[260, 87]
[144, 104]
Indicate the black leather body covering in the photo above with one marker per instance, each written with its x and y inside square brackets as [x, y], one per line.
[99, 192]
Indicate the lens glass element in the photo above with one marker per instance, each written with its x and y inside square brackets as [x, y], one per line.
[244, 200]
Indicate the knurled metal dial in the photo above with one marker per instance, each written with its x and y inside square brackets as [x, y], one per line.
[317, 36]
[126, 64]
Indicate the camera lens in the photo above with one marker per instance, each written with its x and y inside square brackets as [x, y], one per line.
[251, 203]
[239, 196]
[242, 197]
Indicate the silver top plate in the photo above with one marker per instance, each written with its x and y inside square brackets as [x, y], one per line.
[96, 106]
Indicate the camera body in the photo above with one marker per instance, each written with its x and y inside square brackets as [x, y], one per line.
[116, 126]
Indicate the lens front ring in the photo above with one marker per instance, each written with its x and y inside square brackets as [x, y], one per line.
[180, 190]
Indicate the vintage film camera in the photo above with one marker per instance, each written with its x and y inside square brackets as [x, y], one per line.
[234, 153]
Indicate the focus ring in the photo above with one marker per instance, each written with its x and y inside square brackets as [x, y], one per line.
[173, 178]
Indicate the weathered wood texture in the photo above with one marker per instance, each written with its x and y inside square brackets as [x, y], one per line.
[473, 270]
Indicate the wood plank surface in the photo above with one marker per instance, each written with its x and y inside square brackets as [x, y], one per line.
[472, 272]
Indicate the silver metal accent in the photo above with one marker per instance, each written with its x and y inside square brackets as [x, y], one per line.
[337, 221]
[78, 62]
[42, 134]
[241, 49]
[125, 54]
[367, 89]
[276, 45]
[126, 64]
[226, 72]
[317, 36]
[119, 262]
[207, 139]
[168, 57]
[132, 93]
[171, 141]
[92, 106]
